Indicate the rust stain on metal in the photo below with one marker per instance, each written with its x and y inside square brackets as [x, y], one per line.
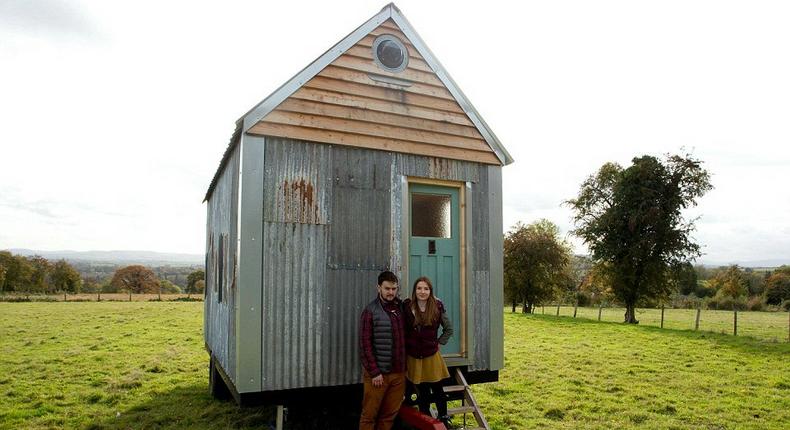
[299, 201]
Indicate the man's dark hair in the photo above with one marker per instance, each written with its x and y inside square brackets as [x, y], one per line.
[387, 276]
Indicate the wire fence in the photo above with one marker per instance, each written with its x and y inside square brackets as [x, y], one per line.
[770, 326]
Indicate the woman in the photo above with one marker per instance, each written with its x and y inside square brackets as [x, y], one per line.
[425, 367]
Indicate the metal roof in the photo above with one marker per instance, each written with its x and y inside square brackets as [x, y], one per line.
[389, 11]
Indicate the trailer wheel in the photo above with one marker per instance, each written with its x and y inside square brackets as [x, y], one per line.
[216, 385]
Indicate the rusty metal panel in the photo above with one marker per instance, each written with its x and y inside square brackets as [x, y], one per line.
[219, 316]
[294, 306]
[436, 168]
[296, 182]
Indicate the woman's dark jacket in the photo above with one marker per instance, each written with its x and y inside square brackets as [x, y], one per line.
[423, 341]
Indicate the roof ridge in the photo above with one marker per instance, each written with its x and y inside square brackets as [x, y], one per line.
[389, 11]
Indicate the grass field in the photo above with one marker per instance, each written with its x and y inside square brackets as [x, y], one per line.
[142, 365]
[95, 297]
[770, 326]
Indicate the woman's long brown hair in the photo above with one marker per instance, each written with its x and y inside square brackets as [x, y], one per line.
[431, 314]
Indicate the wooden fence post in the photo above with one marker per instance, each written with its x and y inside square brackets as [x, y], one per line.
[130, 295]
[735, 322]
[662, 316]
[696, 323]
[600, 308]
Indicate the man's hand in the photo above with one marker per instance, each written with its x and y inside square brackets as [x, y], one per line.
[378, 381]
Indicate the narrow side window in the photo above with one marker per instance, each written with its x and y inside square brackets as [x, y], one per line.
[220, 271]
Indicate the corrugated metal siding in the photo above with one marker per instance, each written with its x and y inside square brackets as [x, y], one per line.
[480, 232]
[436, 168]
[480, 310]
[294, 305]
[348, 293]
[361, 208]
[480, 269]
[320, 271]
[359, 251]
[219, 318]
[297, 182]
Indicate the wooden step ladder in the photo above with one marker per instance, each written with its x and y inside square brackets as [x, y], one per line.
[468, 403]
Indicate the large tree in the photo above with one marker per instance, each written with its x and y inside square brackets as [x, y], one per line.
[193, 278]
[684, 278]
[535, 263]
[731, 282]
[631, 219]
[135, 279]
[65, 278]
[40, 277]
[18, 272]
[777, 287]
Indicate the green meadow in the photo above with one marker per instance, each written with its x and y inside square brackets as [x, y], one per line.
[142, 365]
[770, 326]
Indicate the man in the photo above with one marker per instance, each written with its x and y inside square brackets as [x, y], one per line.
[383, 353]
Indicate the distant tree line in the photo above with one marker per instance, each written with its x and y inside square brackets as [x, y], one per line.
[37, 275]
[102, 272]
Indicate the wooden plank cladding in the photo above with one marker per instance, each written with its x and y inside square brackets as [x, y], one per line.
[361, 77]
[373, 129]
[355, 102]
[351, 100]
[372, 142]
[303, 106]
[383, 92]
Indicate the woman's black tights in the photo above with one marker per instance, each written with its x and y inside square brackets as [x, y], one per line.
[431, 392]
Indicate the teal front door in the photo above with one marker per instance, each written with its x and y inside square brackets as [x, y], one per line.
[435, 249]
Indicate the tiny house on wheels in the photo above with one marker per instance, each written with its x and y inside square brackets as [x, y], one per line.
[369, 159]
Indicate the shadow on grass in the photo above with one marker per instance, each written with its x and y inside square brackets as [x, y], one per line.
[740, 343]
[186, 407]
[192, 407]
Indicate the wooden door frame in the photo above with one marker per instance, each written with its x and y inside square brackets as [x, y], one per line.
[462, 357]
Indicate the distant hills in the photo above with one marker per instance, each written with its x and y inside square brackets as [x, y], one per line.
[751, 263]
[148, 258]
[151, 258]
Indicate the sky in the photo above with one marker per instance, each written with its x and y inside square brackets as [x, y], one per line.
[115, 115]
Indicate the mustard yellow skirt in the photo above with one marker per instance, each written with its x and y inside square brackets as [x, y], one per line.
[428, 369]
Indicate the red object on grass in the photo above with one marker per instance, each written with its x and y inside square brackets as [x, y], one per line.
[418, 420]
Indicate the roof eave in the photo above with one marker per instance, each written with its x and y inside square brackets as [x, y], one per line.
[286, 90]
[499, 149]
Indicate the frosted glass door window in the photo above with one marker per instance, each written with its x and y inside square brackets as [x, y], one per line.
[431, 215]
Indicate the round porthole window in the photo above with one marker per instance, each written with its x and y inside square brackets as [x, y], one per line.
[390, 53]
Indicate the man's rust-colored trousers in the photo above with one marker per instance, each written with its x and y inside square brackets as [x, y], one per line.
[380, 405]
